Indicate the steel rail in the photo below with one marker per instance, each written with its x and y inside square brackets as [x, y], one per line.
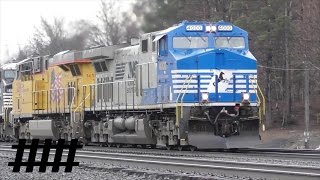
[230, 168]
[273, 154]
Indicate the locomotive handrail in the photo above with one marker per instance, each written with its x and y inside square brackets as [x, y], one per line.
[72, 114]
[105, 83]
[80, 104]
[177, 101]
[50, 90]
[259, 100]
[255, 89]
[260, 91]
[184, 93]
[108, 82]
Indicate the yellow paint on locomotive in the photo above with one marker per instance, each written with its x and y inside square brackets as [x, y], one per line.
[22, 99]
[55, 90]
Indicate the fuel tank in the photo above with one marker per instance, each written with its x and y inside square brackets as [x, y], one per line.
[43, 129]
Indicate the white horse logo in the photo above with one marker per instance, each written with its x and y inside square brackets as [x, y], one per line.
[222, 82]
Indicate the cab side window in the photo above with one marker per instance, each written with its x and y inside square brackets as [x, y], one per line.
[163, 46]
[144, 45]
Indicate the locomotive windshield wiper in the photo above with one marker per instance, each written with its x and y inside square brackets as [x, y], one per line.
[201, 37]
[186, 37]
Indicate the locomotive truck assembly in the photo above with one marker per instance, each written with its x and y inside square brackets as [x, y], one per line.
[192, 85]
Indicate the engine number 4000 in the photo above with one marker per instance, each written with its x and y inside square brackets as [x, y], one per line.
[194, 28]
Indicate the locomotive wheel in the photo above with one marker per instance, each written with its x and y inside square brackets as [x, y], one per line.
[180, 148]
[109, 145]
[169, 147]
[192, 148]
[119, 145]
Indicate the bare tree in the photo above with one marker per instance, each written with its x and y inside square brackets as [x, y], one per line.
[115, 26]
[51, 38]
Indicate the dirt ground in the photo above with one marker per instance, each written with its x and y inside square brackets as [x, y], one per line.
[291, 137]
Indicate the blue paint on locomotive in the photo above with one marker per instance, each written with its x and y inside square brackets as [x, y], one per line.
[219, 62]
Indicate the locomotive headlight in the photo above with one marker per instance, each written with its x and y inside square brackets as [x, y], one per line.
[210, 28]
[245, 96]
[205, 97]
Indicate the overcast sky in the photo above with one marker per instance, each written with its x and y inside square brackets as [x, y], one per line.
[18, 18]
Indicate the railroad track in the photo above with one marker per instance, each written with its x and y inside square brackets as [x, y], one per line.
[184, 164]
[281, 154]
[267, 153]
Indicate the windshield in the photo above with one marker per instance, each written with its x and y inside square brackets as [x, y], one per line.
[229, 42]
[190, 42]
[9, 74]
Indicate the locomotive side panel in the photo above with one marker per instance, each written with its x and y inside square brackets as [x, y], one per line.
[22, 99]
[126, 92]
[147, 68]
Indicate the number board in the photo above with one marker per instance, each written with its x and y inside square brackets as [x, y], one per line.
[225, 28]
[194, 28]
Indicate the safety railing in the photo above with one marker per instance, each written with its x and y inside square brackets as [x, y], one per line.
[109, 95]
[260, 97]
[81, 104]
[182, 92]
[54, 100]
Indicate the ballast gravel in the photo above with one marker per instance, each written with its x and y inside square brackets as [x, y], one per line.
[211, 156]
[98, 170]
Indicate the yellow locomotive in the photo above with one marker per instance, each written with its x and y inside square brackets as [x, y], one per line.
[47, 92]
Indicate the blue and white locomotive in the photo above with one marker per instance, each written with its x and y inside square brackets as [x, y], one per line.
[192, 85]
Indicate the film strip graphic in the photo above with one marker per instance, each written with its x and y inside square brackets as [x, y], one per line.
[43, 164]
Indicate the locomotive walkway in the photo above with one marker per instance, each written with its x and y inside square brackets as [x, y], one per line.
[184, 164]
